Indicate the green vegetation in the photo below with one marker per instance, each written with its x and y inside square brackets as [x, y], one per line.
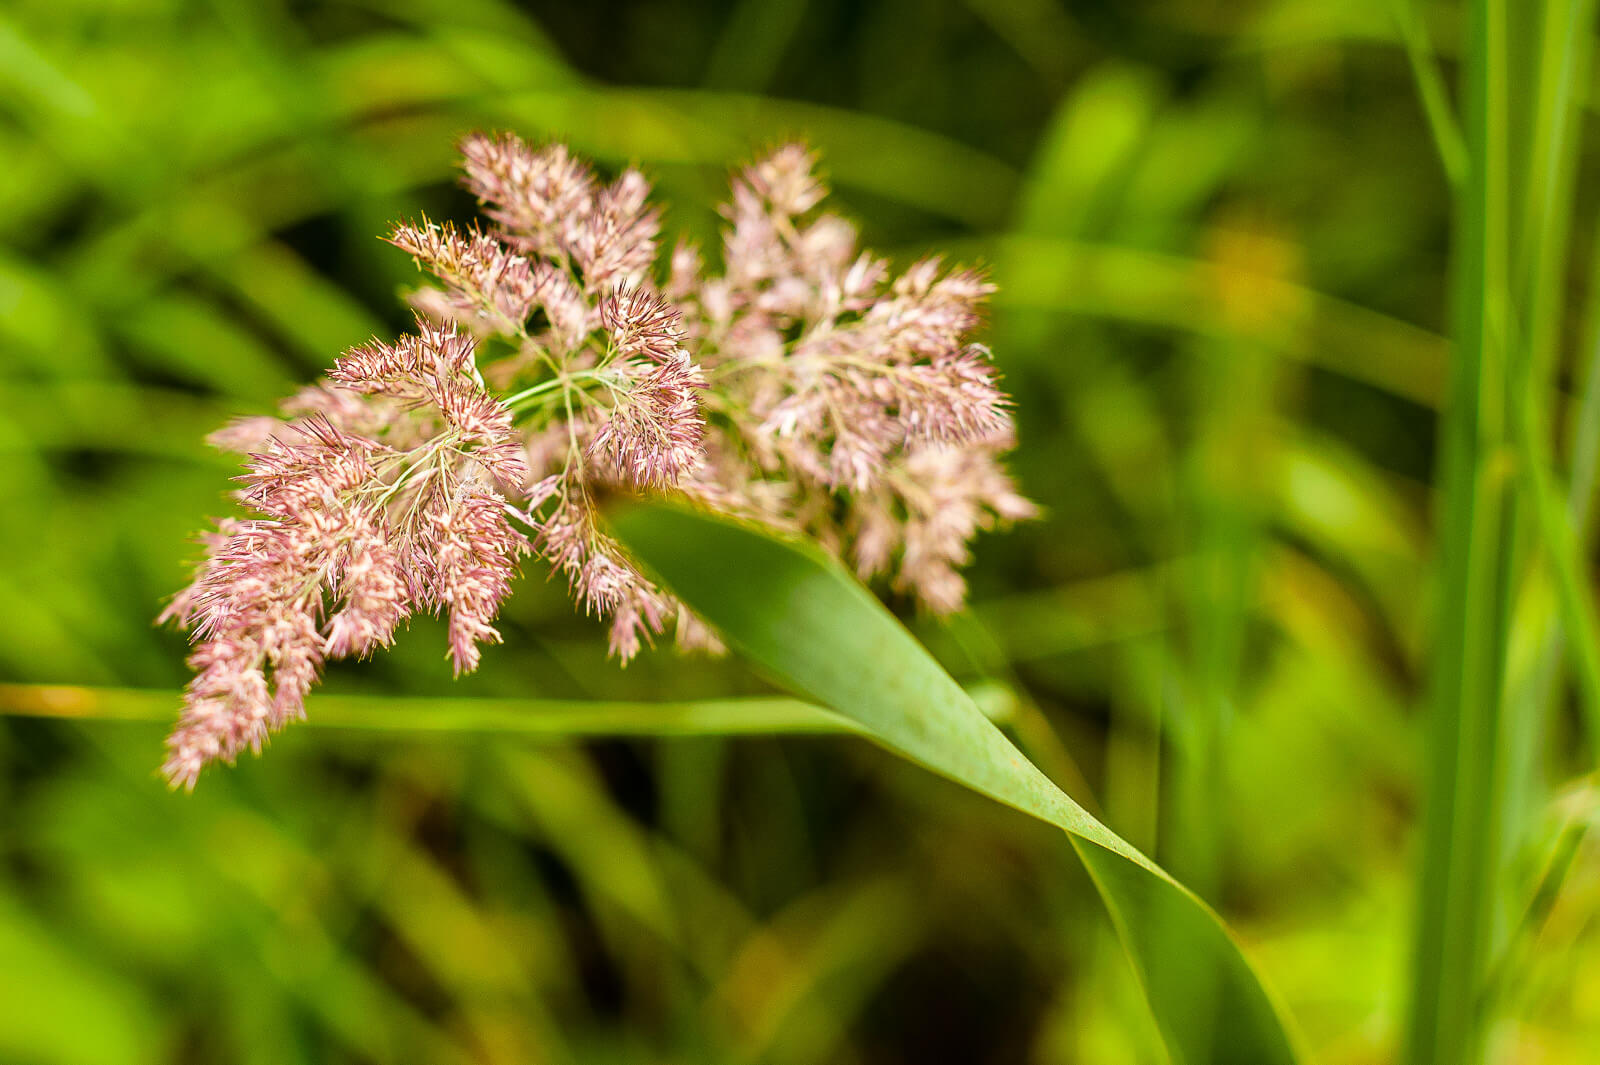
[1299, 306]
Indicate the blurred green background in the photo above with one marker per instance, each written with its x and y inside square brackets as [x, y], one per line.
[1220, 234]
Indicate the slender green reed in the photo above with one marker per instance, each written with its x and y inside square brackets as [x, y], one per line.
[1506, 529]
[1460, 851]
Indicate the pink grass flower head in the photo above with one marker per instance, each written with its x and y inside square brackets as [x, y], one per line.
[864, 413]
[802, 387]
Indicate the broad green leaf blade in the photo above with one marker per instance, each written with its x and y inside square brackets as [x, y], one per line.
[799, 616]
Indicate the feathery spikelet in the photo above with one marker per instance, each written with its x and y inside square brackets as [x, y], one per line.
[482, 278]
[475, 556]
[538, 197]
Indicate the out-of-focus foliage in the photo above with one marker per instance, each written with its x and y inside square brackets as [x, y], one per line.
[1220, 234]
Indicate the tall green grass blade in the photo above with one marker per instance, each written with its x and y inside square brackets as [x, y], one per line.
[1464, 812]
[1583, 435]
[810, 625]
[1556, 52]
[1577, 608]
[1559, 61]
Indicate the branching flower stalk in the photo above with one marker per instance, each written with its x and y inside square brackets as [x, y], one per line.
[802, 387]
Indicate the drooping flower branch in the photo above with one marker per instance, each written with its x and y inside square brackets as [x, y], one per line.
[802, 387]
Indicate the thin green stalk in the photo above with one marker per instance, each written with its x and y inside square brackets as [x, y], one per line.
[1460, 847]
[1583, 446]
[1431, 90]
[1556, 533]
[1567, 41]
[1561, 62]
[1506, 524]
[460, 715]
[479, 715]
[1233, 393]
[564, 379]
[1559, 56]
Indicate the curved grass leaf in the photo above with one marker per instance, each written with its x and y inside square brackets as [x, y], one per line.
[800, 617]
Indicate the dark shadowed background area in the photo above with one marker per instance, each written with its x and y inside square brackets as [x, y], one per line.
[1219, 232]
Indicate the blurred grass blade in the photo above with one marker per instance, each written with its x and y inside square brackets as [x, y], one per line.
[1464, 806]
[525, 717]
[1431, 89]
[800, 617]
